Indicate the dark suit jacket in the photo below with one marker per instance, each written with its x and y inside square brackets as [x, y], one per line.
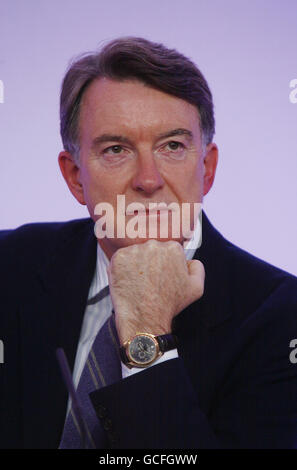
[232, 386]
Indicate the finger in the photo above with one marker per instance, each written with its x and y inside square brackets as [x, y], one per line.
[196, 278]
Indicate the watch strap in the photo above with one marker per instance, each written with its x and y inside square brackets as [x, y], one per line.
[123, 355]
[167, 342]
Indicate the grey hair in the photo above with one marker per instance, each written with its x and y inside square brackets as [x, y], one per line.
[134, 58]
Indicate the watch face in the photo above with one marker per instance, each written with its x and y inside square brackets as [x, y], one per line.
[142, 349]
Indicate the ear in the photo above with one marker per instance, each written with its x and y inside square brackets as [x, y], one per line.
[210, 164]
[71, 174]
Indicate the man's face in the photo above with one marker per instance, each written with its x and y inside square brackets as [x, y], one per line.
[141, 143]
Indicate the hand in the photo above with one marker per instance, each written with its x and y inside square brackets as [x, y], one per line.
[150, 283]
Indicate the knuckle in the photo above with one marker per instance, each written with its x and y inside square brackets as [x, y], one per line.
[173, 245]
[132, 249]
[118, 256]
[151, 244]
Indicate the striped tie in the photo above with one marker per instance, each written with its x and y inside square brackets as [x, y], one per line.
[102, 368]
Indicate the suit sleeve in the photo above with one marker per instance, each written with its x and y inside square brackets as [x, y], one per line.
[254, 406]
[155, 409]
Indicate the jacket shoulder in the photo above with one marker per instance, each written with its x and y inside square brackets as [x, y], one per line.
[38, 232]
[256, 284]
[253, 269]
[34, 241]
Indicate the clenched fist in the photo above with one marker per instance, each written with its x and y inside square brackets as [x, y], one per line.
[150, 284]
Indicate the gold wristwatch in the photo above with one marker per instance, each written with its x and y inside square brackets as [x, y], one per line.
[144, 349]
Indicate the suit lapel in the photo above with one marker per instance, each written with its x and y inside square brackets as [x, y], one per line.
[51, 316]
[199, 327]
[211, 309]
[68, 280]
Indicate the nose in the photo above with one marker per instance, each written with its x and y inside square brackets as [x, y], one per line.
[148, 178]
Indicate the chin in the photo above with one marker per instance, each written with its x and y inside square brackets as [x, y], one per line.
[138, 241]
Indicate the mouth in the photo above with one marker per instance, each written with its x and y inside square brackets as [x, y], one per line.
[148, 211]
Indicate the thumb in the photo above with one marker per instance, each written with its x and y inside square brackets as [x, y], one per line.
[196, 278]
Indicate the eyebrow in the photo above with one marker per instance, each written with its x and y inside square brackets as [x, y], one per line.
[122, 139]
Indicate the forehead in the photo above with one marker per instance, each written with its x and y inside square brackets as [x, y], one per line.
[131, 107]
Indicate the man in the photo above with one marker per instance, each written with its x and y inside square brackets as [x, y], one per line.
[183, 350]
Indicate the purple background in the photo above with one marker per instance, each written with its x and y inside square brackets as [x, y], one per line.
[247, 52]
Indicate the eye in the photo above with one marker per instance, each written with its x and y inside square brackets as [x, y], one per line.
[172, 150]
[116, 154]
[114, 149]
[173, 145]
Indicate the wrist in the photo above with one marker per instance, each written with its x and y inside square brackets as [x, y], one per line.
[127, 326]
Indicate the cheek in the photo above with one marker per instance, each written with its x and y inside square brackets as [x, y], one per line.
[187, 183]
[101, 187]
[196, 176]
